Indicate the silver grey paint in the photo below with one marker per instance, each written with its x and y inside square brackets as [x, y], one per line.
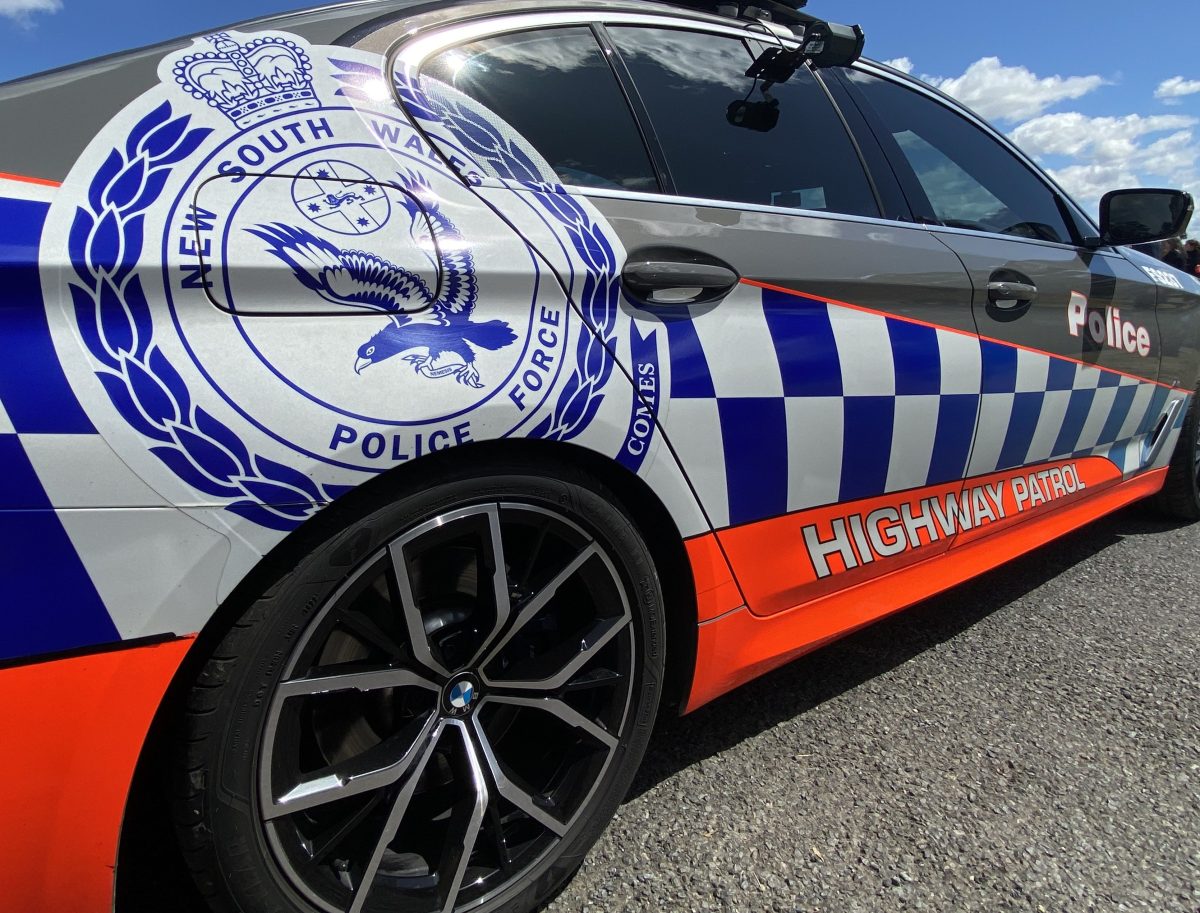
[74, 102]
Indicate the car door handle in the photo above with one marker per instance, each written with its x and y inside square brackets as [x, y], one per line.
[659, 281]
[1011, 294]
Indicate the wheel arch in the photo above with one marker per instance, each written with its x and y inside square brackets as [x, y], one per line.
[146, 853]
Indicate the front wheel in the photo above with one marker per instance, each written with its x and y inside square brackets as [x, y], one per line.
[1180, 495]
[439, 709]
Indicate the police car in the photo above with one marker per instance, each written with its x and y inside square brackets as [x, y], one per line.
[403, 403]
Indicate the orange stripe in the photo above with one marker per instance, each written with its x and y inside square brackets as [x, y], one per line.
[741, 646]
[5, 176]
[73, 729]
[935, 326]
[777, 573]
[716, 590]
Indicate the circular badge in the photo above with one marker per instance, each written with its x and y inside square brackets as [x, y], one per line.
[282, 285]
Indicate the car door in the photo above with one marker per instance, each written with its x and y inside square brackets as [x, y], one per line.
[817, 404]
[819, 363]
[1070, 340]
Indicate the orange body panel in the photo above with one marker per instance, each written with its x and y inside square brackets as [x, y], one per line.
[741, 645]
[72, 731]
[775, 569]
[716, 590]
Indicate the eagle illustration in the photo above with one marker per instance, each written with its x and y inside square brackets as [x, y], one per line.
[439, 325]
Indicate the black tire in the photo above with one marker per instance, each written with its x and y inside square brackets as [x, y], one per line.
[236, 761]
[1180, 494]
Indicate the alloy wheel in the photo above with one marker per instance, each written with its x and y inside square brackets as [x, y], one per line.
[447, 716]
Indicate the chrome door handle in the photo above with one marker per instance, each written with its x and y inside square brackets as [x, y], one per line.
[664, 274]
[1011, 294]
[676, 279]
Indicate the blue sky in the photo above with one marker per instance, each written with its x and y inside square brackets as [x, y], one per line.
[1101, 103]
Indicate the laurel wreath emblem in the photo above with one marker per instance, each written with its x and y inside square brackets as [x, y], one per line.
[115, 322]
[599, 296]
[114, 318]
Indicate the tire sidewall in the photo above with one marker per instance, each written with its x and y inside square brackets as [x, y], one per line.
[278, 622]
[1180, 494]
[1188, 439]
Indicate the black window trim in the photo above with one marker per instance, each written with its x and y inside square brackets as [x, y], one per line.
[858, 150]
[637, 107]
[656, 161]
[478, 28]
[863, 139]
[469, 28]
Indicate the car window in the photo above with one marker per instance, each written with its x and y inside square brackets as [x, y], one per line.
[556, 89]
[792, 149]
[970, 180]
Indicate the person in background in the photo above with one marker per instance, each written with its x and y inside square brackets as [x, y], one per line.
[1172, 254]
[1191, 255]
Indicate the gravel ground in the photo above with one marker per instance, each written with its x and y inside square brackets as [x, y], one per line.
[1029, 741]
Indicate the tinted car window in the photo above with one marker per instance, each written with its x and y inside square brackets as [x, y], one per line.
[970, 180]
[688, 80]
[556, 89]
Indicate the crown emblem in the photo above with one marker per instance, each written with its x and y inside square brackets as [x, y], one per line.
[249, 81]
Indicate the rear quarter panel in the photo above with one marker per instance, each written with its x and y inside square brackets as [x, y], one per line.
[154, 447]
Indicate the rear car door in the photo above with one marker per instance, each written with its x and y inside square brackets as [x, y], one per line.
[1070, 340]
[838, 383]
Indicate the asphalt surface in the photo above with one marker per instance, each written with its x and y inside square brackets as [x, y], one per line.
[1029, 741]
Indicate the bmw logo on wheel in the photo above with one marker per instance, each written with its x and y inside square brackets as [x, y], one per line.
[460, 697]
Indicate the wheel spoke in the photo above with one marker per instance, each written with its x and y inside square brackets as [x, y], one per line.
[412, 614]
[500, 843]
[560, 709]
[399, 655]
[376, 768]
[355, 678]
[511, 791]
[395, 816]
[499, 580]
[465, 820]
[539, 600]
[590, 644]
[597, 678]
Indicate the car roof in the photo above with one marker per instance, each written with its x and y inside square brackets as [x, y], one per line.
[87, 95]
[326, 23]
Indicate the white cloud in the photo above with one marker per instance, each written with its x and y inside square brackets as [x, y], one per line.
[21, 11]
[1086, 184]
[1088, 156]
[1108, 138]
[1175, 88]
[1113, 152]
[1012, 93]
[903, 64]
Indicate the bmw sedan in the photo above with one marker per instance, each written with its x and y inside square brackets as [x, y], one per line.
[402, 403]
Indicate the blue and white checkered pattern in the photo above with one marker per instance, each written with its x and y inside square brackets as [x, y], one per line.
[781, 403]
[67, 497]
[1037, 408]
[51, 602]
